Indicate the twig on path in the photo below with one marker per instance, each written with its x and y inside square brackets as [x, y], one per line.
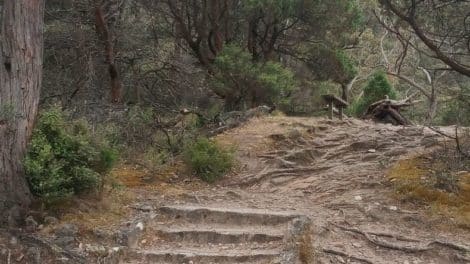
[345, 255]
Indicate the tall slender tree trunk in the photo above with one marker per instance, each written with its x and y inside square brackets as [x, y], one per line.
[20, 81]
[107, 37]
[432, 110]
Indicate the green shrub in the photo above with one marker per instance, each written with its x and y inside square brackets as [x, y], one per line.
[207, 159]
[246, 84]
[457, 111]
[63, 159]
[376, 89]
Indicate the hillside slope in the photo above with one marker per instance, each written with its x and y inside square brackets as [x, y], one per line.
[305, 190]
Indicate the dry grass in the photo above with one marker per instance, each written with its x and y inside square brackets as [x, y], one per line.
[130, 176]
[107, 213]
[306, 250]
[430, 181]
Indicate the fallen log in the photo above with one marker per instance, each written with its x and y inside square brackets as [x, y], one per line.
[389, 111]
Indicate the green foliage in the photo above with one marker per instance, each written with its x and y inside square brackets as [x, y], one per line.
[377, 88]
[277, 8]
[347, 65]
[246, 84]
[458, 110]
[63, 159]
[208, 160]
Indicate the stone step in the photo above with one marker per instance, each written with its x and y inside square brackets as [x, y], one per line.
[217, 234]
[230, 216]
[204, 256]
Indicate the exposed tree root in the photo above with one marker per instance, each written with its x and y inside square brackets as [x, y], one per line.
[345, 255]
[35, 241]
[273, 173]
[372, 238]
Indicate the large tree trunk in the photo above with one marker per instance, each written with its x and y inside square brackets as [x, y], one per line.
[20, 82]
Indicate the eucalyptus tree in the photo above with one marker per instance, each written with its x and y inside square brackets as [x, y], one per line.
[20, 82]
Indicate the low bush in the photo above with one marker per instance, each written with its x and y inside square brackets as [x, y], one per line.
[64, 160]
[207, 159]
[376, 89]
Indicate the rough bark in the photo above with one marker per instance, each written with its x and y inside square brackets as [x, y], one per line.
[201, 24]
[20, 82]
[107, 37]
[432, 110]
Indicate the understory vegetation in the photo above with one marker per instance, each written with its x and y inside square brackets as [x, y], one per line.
[68, 157]
[208, 160]
[440, 180]
[378, 87]
[65, 159]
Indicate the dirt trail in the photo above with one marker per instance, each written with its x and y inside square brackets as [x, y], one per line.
[295, 176]
[334, 173]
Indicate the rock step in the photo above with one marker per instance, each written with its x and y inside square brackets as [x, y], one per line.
[219, 234]
[229, 216]
[203, 256]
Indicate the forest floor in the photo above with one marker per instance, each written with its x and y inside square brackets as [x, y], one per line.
[340, 174]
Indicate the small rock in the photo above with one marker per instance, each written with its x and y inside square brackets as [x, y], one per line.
[130, 237]
[393, 208]
[371, 150]
[13, 241]
[357, 245]
[146, 208]
[34, 253]
[65, 241]
[294, 134]
[358, 198]
[233, 194]
[84, 208]
[50, 220]
[140, 226]
[96, 249]
[116, 249]
[67, 230]
[99, 233]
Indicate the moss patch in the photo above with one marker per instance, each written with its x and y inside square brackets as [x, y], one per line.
[429, 181]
